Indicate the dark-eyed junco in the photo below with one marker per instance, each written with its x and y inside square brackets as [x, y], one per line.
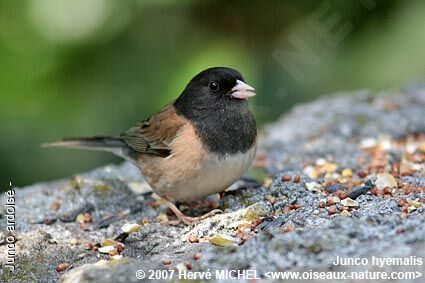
[198, 145]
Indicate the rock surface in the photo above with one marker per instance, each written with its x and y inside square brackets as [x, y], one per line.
[317, 155]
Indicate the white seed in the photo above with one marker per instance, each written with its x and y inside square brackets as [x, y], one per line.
[130, 228]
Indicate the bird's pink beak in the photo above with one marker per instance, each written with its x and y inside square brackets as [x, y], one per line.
[242, 90]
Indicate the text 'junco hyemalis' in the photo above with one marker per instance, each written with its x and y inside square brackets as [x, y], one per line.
[196, 146]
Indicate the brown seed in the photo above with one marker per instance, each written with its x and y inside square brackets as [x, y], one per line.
[197, 256]
[193, 238]
[95, 248]
[119, 248]
[296, 206]
[326, 184]
[55, 205]
[361, 174]
[87, 217]
[166, 261]
[49, 221]
[401, 202]
[322, 204]
[83, 226]
[330, 200]
[332, 209]
[405, 208]
[286, 229]
[297, 179]
[341, 194]
[244, 238]
[62, 266]
[188, 265]
[399, 230]
[256, 223]
[287, 208]
[286, 178]
[113, 252]
[387, 191]
[88, 246]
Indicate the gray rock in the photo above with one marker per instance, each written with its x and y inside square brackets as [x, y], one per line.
[330, 128]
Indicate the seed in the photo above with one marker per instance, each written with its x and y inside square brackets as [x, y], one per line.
[297, 179]
[197, 256]
[244, 238]
[106, 249]
[399, 230]
[80, 218]
[113, 252]
[341, 194]
[130, 228]
[348, 202]
[83, 226]
[271, 199]
[62, 267]
[222, 240]
[88, 246]
[193, 238]
[385, 180]
[166, 261]
[415, 204]
[87, 217]
[286, 229]
[296, 206]
[286, 178]
[49, 221]
[401, 202]
[119, 248]
[347, 172]
[361, 174]
[55, 205]
[287, 208]
[332, 209]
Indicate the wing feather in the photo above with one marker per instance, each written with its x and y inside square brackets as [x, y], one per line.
[155, 134]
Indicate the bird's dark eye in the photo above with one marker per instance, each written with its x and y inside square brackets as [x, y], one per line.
[213, 86]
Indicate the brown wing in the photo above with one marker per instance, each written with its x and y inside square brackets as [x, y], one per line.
[154, 135]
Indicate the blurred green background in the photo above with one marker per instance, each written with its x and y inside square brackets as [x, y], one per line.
[96, 67]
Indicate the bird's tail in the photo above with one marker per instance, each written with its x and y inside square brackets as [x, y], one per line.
[113, 145]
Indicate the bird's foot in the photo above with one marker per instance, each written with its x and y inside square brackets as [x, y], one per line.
[187, 219]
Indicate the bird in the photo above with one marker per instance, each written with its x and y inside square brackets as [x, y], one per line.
[198, 145]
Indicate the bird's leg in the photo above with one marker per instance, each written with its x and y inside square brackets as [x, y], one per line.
[187, 219]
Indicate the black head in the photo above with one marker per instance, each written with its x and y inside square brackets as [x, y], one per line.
[215, 100]
[215, 88]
